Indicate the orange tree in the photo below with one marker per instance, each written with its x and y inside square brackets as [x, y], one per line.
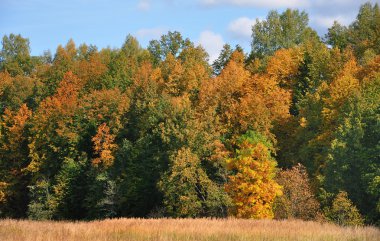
[252, 186]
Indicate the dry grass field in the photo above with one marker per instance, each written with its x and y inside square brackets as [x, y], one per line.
[181, 229]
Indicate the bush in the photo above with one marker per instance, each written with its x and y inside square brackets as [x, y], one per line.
[298, 200]
[41, 206]
[343, 211]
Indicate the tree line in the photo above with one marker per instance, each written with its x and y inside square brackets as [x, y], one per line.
[289, 130]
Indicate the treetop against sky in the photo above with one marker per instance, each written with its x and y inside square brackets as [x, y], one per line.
[48, 23]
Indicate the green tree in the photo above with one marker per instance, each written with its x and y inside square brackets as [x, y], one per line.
[364, 31]
[362, 35]
[188, 191]
[16, 91]
[40, 206]
[15, 55]
[222, 60]
[124, 64]
[277, 31]
[343, 212]
[69, 190]
[337, 36]
[101, 199]
[353, 161]
[170, 43]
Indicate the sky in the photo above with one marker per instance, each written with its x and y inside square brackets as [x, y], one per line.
[106, 23]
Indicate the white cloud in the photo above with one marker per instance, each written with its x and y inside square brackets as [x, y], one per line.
[322, 13]
[327, 21]
[258, 3]
[143, 5]
[212, 42]
[241, 28]
[325, 3]
[152, 33]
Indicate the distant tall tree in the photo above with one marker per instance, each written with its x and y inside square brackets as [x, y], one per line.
[337, 36]
[15, 55]
[223, 59]
[364, 31]
[124, 64]
[142, 155]
[363, 34]
[278, 31]
[55, 139]
[170, 43]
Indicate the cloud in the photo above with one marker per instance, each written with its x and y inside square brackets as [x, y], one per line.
[322, 13]
[241, 28]
[324, 3]
[258, 3]
[143, 5]
[327, 21]
[151, 33]
[212, 42]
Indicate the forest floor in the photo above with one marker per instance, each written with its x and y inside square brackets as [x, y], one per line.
[181, 229]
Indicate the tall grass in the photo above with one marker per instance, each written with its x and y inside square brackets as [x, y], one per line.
[182, 229]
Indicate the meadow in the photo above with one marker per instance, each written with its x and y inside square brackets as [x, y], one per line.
[181, 229]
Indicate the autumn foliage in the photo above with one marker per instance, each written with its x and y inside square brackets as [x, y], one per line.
[298, 200]
[288, 130]
[252, 187]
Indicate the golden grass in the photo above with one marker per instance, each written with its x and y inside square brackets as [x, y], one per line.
[181, 229]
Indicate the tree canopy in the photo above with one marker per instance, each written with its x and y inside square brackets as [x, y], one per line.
[289, 130]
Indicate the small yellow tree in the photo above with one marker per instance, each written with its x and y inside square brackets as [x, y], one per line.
[103, 146]
[252, 186]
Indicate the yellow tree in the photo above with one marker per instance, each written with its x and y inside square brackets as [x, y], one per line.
[343, 86]
[283, 66]
[53, 123]
[338, 91]
[243, 101]
[3, 186]
[104, 146]
[171, 76]
[90, 71]
[13, 158]
[222, 94]
[252, 186]
[104, 106]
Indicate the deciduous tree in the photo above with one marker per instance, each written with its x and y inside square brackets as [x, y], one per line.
[252, 186]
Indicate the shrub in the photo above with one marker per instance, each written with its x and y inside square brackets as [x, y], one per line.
[343, 211]
[298, 200]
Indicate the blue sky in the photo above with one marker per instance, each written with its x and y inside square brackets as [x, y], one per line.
[48, 23]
